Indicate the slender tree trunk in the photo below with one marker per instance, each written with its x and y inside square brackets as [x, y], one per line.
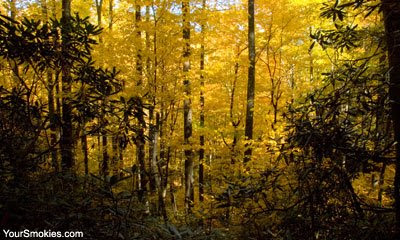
[13, 9]
[114, 159]
[140, 141]
[111, 14]
[104, 166]
[53, 123]
[201, 151]
[152, 92]
[106, 157]
[99, 8]
[15, 82]
[381, 130]
[187, 110]
[234, 123]
[85, 151]
[13, 64]
[50, 99]
[139, 62]
[66, 143]
[250, 83]
[152, 147]
[391, 13]
[381, 181]
[152, 160]
[53, 9]
[311, 66]
[120, 152]
[157, 170]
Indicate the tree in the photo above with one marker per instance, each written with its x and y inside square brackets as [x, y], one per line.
[187, 110]
[391, 15]
[66, 141]
[250, 82]
[50, 89]
[201, 151]
[140, 140]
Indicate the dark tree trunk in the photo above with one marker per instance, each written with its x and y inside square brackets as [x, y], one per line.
[391, 13]
[85, 152]
[152, 149]
[140, 141]
[201, 151]
[115, 151]
[66, 143]
[187, 110]
[234, 123]
[104, 165]
[50, 99]
[53, 122]
[250, 82]
[157, 170]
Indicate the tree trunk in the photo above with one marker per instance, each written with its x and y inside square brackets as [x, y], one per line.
[99, 7]
[140, 141]
[66, 143]
[114, 159]
[13, 9]
[13, 64]
[157, 170]
[381, 181]
[152, 92]
[53, 123]
[110, 14]
[120, 152]
[152, 149]
[187, 110]
[250, 82]
[50, 99]
[85, 151]
[201, 151]
[234, 123]
[104, 166]
[391, 13]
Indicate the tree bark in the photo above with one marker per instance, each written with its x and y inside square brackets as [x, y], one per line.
[13, 9]
[85, 152]
[234, 123]
[187, 110]
[250, 82]
[66, 143]
[391, 14]
[13, 65]
[99, 7]
[111, 14]
[104, 166]
[114, 159]
[50, 99]
[202, 118]
[140, 141]
[157, 170]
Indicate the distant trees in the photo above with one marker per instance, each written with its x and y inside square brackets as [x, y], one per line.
[46, 50]
[317, 156]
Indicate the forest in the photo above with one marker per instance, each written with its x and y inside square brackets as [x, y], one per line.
[201, 119]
